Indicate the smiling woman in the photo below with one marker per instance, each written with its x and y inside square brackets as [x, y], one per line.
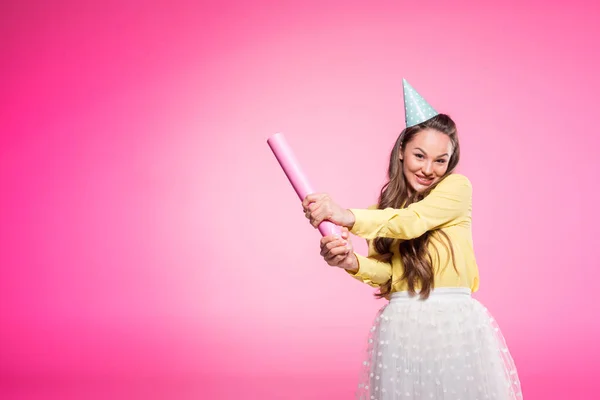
[433, 340]
[426, 153]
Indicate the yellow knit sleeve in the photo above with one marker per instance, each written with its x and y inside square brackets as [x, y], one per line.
[374, 270]
[446, 205]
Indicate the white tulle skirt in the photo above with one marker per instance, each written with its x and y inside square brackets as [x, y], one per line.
[445, 347]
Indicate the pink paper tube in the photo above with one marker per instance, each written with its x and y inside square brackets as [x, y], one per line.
[292, 170]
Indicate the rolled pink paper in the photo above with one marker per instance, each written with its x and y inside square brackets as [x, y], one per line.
[290, 166]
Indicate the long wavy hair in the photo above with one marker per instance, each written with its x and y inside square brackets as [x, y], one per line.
[396, 193]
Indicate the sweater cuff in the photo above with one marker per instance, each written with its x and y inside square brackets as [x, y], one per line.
[362, 224]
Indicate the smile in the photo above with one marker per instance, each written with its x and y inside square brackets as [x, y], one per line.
[424, 181]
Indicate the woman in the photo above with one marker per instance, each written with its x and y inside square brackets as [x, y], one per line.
[432, 340]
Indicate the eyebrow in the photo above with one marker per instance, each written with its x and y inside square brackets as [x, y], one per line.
[424, 152]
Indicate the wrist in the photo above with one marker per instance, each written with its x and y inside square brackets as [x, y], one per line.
[350, 219]
[353, 268]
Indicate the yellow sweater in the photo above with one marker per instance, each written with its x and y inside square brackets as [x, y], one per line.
[448, 208]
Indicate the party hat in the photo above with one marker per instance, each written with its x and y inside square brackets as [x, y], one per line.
[416, 109]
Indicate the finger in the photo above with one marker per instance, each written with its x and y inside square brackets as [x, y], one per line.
[328, 238]
[311, 198]
[330, 253]
[335, 243]
[340, 251]
[313, 214]
[336, 251]
[326, 251]
[324, 241]
[308, 207]
[314, 201]
[317, 215]
[336, 261]
[320, 213]
[315, 222]
[305, 202]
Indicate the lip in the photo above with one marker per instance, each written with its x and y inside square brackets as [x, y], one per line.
[424, 181]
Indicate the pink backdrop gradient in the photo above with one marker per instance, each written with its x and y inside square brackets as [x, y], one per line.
[151, 246]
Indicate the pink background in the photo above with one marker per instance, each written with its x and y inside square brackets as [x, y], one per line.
[151, 247]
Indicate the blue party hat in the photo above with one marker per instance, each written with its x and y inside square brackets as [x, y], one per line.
[416, 109]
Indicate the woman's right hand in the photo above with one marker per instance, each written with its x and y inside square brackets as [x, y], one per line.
[339, 252]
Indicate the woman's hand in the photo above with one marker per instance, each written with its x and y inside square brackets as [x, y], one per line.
[339, 252]
[319, 207]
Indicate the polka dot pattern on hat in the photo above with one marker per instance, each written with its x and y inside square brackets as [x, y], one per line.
[416, 109]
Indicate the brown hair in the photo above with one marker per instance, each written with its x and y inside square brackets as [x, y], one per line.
[418, 264]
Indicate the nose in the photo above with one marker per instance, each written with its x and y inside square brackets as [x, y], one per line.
[428, 168]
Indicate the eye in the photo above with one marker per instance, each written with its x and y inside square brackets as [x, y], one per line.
[419, 156]
[441, 161]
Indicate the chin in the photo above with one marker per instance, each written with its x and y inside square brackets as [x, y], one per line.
[420, 188]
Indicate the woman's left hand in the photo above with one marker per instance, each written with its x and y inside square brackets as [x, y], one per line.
[319, 207]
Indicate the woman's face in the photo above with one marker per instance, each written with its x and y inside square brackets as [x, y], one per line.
[425, 158]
